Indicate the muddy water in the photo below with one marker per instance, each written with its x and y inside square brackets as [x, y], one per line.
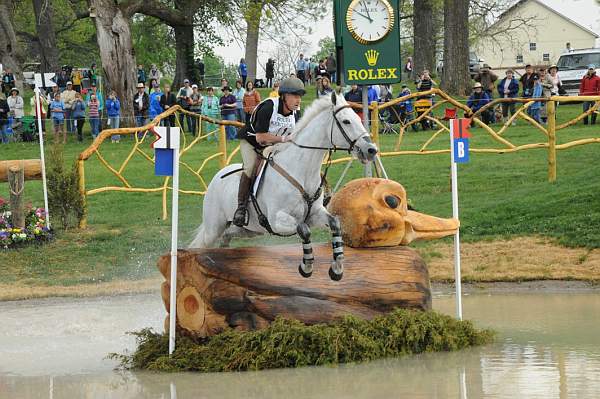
[548, 347]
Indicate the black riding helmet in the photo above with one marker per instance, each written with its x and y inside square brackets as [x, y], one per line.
[292, 85]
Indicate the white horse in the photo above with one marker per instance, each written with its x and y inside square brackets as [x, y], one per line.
[291, 204]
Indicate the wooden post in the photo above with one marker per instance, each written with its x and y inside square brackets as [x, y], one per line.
[551, 112]
[222, 146]
[375, 123]
[16, 183]
[81, 185]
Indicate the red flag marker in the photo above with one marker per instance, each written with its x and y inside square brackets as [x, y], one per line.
[460, 128]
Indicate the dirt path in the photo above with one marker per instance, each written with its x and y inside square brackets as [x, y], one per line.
[491, 265]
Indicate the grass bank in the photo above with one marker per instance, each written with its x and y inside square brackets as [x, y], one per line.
[502, 197]
[289, 343]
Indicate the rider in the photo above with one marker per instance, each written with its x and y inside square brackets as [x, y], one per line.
[271, 122]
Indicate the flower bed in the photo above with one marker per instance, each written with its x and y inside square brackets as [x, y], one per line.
[35, 227]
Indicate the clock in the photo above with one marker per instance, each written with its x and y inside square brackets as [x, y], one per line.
[369, 20]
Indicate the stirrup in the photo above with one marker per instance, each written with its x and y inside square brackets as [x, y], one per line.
[240, 217]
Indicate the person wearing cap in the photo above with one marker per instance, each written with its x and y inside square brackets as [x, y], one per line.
[477, 100]
[556, 82]
[113, 110]
[527, 81]
[589, 86]
[228, 105]
[195, 107]
[16, 105]
[487, 78]
[250, 101]
[534, 109]
[141, 103]
[183, 99]
[508, 88]
[68, 96]
[272, 122]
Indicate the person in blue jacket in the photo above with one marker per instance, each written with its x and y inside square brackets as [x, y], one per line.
[508, 88]
[477, 100]
[243, 71]
[534, 109]
[155, 106]
[113, 110]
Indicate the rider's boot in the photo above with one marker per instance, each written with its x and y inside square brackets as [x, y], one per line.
[239, 217]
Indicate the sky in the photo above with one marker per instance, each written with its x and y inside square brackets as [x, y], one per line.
[584, 12]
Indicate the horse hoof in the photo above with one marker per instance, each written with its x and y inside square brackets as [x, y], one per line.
[334, 276]
[303, 274]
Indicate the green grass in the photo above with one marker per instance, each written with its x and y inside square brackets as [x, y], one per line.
[289, 343]
[500, 196]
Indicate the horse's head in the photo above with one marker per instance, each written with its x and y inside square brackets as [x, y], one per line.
[349, 132]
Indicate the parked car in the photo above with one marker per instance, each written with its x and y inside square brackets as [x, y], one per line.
[572, 66]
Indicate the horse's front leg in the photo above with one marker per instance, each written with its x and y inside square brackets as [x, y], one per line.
[308, 259]
[323, 218]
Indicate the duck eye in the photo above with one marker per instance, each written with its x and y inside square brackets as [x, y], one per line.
[346, 122]
[392, 201]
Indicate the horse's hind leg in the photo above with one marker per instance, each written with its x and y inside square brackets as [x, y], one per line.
[308, 259]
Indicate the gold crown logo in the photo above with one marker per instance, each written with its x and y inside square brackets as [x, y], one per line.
[372, 56]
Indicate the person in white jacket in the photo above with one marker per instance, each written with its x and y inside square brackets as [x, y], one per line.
[16, 105]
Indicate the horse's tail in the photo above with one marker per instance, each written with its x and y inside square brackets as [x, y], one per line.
[199, 238]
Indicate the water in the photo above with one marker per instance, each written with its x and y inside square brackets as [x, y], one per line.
[548, 347]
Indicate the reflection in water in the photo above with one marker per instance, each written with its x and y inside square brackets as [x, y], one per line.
[548, 347]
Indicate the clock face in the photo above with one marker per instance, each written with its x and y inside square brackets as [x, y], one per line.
[369, 20]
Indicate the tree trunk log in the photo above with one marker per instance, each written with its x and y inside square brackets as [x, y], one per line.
[252, 18]
[31, 167]
[455, 77]
[113, 34]
[9, 54]
[424, 36]
[16, 186]
[185, 67]
[46, 35]
[247, 288]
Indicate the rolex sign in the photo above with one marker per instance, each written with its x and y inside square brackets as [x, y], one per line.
[368, 40]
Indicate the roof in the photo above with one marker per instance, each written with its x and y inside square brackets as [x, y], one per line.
[521, 2]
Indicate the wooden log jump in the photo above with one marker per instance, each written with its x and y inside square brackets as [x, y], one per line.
[247, 288]
[32, 168]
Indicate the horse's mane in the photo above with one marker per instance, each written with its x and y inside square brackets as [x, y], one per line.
[312, 111]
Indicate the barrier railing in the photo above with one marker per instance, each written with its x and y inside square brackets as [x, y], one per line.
[141, 136]
[224, 157]
[506, 146]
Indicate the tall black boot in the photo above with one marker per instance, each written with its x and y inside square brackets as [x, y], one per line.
[239, 218]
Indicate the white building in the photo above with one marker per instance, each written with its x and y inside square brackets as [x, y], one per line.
[530, 32]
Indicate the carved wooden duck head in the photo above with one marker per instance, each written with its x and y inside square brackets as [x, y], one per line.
[374, 213]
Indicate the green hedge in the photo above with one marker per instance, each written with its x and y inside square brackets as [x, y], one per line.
[289, 343]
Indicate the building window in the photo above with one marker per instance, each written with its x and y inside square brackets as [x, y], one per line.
[519, 59]
[532, 47]
[546, 57]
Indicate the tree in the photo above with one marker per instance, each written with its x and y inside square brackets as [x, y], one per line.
[424, 36]
[326, 47]
[9, 54]
[46, 36]
[272, 18]
[116, 49]
[154, 43]
[456, 79]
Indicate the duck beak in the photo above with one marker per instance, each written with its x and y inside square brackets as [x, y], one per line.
[424, 227]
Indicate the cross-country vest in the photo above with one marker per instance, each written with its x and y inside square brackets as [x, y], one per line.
[279, 125]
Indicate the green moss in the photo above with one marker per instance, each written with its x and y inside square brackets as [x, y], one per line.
[289, 343]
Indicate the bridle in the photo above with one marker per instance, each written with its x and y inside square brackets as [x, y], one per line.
[333, 147]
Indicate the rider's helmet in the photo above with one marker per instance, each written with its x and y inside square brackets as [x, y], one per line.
[292, 85]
